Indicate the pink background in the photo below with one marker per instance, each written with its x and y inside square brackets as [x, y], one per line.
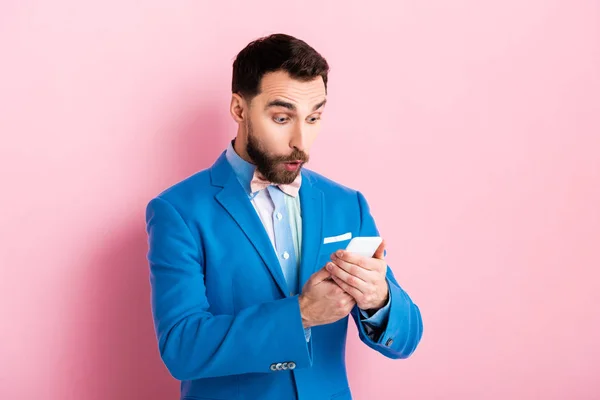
[484, 117]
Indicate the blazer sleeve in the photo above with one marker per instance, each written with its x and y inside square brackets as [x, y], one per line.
[194, 343]
[399, 336]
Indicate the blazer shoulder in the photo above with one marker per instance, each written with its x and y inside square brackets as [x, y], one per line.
[328, 186]
[187, 190]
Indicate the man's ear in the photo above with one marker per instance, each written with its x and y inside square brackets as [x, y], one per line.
[238, 108]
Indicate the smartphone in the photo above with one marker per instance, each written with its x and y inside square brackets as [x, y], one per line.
[364, 245]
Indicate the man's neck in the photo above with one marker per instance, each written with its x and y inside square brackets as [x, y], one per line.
[240, 148]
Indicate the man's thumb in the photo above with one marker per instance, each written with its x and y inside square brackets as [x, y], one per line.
[320, 276]
[380, 252]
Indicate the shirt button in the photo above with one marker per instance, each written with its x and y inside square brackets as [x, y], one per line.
[286, 255]
[278, 216]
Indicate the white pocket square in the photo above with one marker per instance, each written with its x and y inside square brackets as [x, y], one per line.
[338, 238]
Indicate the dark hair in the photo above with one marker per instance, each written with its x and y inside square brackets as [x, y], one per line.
[273, 53]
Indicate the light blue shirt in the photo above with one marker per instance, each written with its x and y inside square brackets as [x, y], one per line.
[282, 219]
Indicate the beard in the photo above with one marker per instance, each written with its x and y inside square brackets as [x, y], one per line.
[270, 165]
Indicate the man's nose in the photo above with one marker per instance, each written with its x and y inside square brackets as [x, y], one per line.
[299, 138]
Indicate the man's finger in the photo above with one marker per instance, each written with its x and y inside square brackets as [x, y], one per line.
[350, 280]
[351, 269]
[351, 258]
[352, 291]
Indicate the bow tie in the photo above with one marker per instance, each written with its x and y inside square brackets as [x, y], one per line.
[259, 182]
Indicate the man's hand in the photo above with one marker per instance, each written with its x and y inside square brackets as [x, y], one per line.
[362, 277]
[322, 301]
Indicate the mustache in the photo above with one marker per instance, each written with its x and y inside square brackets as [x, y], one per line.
[295, 156]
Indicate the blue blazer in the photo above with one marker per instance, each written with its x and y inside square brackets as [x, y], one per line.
[226, 327]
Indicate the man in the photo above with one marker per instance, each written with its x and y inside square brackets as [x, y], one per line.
[249, 296]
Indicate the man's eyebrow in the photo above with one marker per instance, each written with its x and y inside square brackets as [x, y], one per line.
[280, 103]
[290, 106]
[321, 104]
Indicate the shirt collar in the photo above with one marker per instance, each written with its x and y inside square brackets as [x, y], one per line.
[243, 170]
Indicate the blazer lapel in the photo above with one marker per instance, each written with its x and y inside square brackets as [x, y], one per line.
[311, 206]
[235, 200]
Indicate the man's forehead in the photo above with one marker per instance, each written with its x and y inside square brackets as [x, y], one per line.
[279, 85]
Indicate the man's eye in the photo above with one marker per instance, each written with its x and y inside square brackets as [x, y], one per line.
[312, 120]
[280, 120]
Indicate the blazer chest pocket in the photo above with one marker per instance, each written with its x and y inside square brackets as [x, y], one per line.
[327, 249]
